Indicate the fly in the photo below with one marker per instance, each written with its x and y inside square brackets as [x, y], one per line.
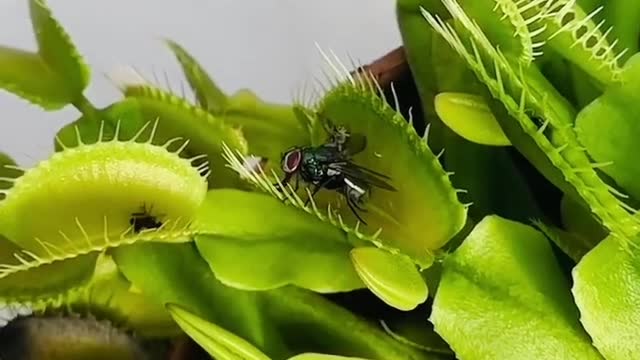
[330, 166]
[143, 220]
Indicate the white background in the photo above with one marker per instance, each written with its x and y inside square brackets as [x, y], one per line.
[265, 45]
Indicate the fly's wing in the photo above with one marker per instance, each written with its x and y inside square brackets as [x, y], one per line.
[363, 174]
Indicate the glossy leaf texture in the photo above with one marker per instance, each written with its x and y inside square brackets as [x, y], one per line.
[269, 128]
[606, 291]
[392, 277]
[505, 276]
[470, 117]
[423, 213]
[609, 129]
[54, 76]
[218, 342]
[255, 242]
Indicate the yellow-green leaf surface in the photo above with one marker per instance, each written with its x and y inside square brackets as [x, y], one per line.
[470, 117]
[54, 76]
[254, 242]
[424, 213]
[270, 128]
[606, 289]
[111, 296]
[312, 356]
[177, 274]
[537, 120]
[44, 283]
[392, 277]
[8, 171]
[83, 199]
[577, 219]
[176, 117]
[608, 129]
[124, 115]
[503, 296]
[208, 94]
[217, 341]
[57, 50]
[27, 75]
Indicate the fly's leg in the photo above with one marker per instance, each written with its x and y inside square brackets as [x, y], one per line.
[297, 183]
[352, 206]
[283, 182]
[316, 189]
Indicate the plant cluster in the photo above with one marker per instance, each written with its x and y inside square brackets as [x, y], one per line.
[512, 232]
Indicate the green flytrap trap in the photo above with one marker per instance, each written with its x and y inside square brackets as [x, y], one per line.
[337, 227]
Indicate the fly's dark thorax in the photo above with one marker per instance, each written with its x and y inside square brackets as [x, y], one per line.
[315, 163]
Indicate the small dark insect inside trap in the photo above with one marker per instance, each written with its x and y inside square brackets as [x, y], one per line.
[330, 166]
[144, 220]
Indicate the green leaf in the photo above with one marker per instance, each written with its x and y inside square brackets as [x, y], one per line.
[312, 356]
[177, 118]
[331, 329]
[218, 342]
[270, 129]
[470, 117]
[624, 19]
[421, 47]
[25, 74]
[111, 296]
[7, 171]
[609, 130]
[53, 77]
[208, 94]
[392, 277]
[57, 50]
[178, 275]
[86, 130]
[285, 246]
[577, 218]
[43, 283]
[606, 287]
[502, 295]
[572, 244]
[425, 212]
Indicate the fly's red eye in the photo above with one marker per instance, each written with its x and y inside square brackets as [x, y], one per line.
[292, 161]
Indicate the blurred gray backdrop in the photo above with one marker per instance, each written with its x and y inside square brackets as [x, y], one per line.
[265, 45]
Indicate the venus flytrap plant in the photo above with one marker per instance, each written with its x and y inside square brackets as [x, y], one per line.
[53, 259]
[522, 91]
[357, 105]
[54, 76]
[266, 126]
[510, 280]
[177, 117]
